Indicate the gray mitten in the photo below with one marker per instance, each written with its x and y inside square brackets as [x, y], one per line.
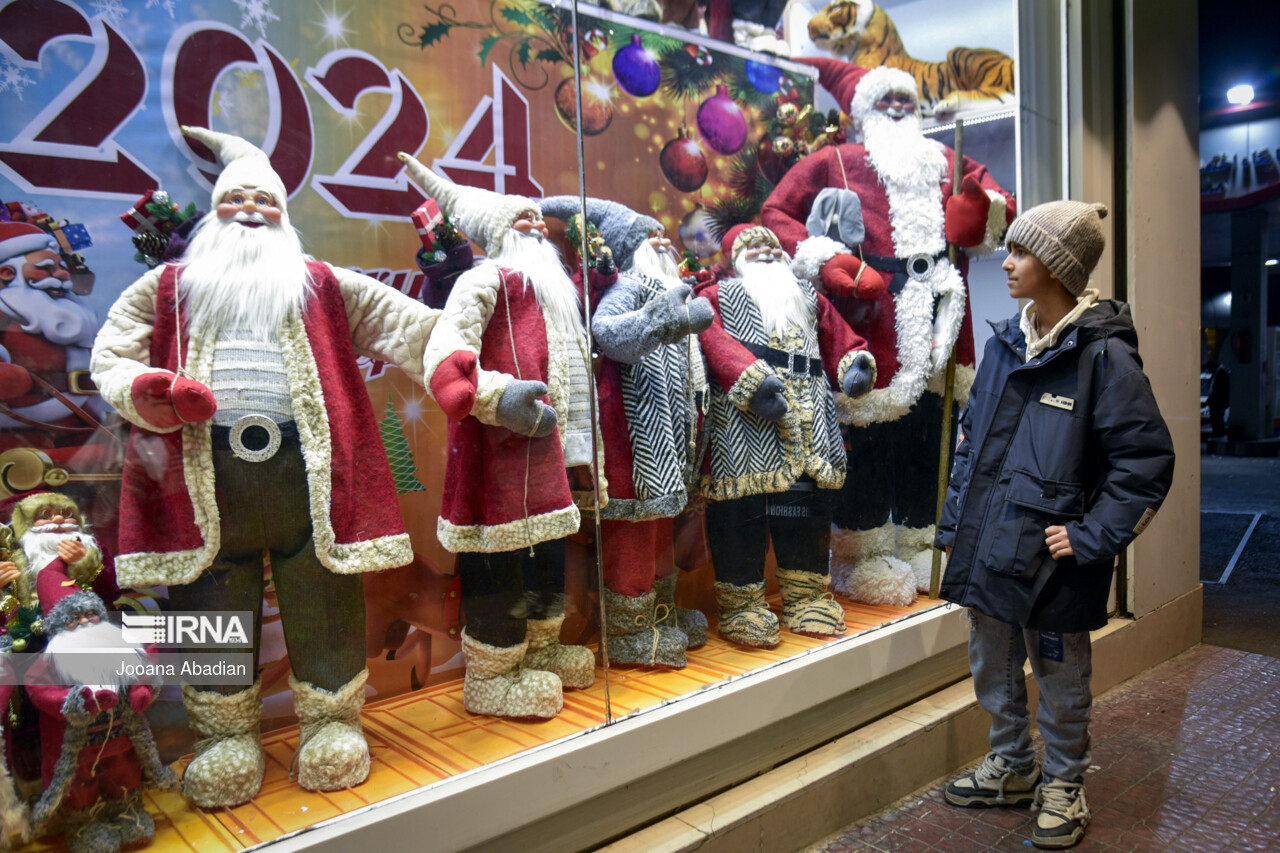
[768, 402]
[669, 316]
[522, 412]
[860, 376]
[700, 314]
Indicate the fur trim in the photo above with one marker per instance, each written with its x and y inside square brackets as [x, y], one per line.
[864, 568]
[914, 546]
[635, 509]
[964, 383]
[811, 254]
[509, 536]
[997, 224]
[15, 817]
[847, 362]
[748, 383]
[876, 83]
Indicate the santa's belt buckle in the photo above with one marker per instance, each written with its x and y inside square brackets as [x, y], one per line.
[80, 382]
[919, 266]
[260, 452]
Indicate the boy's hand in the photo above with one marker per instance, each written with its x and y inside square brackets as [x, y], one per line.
[1055, 537]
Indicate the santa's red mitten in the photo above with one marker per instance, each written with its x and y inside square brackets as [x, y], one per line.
[454, 384]
[97, 701]
[168, 401]
[141, 697]
[847, 275]
[14, 381]
[967, 214]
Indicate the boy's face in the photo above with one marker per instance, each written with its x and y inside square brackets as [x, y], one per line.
[1029, 278]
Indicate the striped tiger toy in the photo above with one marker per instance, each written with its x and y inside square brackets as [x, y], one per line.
[861, 32]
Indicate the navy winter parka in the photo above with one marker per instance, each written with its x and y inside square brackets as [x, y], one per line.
[1071, 437]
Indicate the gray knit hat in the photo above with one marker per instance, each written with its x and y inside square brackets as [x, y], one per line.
[1066, 236]
[622, 228]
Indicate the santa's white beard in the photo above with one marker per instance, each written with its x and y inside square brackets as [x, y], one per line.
[236, 277]
[62, 321]
[777, 295]
[540, 261]
[41, 548]
[663, 266]
[80, 659]
[901, 153]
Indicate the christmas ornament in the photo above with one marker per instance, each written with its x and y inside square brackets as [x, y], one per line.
[700, 54]
[721, 122]
[697, 233]
[597, 111]
[636, 69]
[764, 77]
[683, 163]
[593, 41]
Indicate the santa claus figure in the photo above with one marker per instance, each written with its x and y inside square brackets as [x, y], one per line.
[97, 746]
[870, 222]
[45, 333]
[652, 391]
[507, 363]
[253, 433]
[776, 350]
[41, 522]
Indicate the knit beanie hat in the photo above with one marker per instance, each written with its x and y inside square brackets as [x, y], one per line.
[483, 215]
[1066, 236]
[621, 227]
[243, 165]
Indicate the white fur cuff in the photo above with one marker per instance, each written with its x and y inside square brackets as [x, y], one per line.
[811, 254]
[996, 226]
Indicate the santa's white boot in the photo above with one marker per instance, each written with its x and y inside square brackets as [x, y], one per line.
[864, 569]
[497, 685]
[228, 767]
[574, 665]
[914, 546]
[332, 752]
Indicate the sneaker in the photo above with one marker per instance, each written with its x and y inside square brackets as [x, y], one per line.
[1063, 815]
[993, 784]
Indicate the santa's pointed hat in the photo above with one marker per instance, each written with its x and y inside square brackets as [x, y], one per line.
[243, 165]
[836, 76]
[19, 238]
[483, 215]
[622, 228]
[62, 598]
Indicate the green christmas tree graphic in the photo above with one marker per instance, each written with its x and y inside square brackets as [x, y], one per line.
[403, 468]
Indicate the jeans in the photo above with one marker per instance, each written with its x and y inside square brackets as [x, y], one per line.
[1062, 665]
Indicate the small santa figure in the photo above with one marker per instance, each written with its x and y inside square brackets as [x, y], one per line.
[41, 522]
[97, 746]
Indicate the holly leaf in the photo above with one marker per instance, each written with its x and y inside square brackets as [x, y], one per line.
[545, 19]
[516, 16]
[548, 54]
[487, 45]
[524, 53]
[432, 33]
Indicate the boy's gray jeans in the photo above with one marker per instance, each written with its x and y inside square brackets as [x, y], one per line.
[1062, 665]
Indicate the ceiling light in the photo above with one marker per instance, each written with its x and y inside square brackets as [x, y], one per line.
[1271, 262]
[1240, 95]
[1226, 299]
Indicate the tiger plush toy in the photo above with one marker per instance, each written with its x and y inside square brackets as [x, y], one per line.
[863, 33]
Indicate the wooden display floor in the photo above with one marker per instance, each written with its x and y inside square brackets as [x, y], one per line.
[426, 736]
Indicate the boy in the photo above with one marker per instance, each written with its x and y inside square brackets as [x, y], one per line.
[1063, 459]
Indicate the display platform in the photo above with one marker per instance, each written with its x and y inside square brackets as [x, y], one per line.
[426, 737]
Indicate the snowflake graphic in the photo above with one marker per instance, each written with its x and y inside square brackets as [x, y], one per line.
[12, 78]
[256, 13]
[111, 11]
[166, 5]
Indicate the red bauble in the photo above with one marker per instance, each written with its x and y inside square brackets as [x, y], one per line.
[721, 122]
[683, 163]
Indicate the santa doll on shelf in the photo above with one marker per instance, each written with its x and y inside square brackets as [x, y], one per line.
[253, 432]
[97, 746]
[870, 223]
[41, 522]
[776, 351]
[652, 391]
[507, 363]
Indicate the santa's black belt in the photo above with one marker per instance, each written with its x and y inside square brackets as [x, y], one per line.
[254, 438]
[795, 362]
[917, 267]
[68, 382]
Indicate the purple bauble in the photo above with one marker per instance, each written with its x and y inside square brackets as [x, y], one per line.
[636, 69]
[721, 122]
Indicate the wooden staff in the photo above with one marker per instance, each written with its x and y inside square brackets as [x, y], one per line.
[949, 394]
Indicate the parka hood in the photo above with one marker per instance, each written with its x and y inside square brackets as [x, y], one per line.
[1108, 318]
